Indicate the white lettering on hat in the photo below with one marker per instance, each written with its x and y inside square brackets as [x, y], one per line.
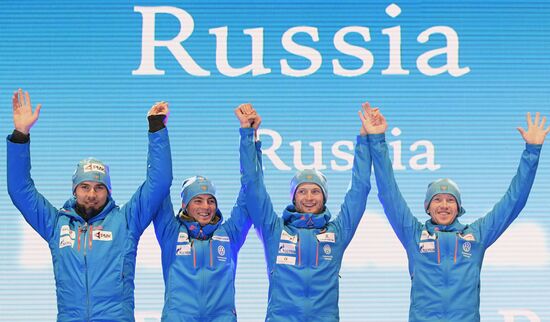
[93, 167]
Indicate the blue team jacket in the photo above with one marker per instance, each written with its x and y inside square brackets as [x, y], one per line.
[199, 264]
[94, 262]
[303, 251]
[445, 261]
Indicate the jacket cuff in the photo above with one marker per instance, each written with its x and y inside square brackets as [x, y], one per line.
[533, 147]
[362, 139]
[156, 122]
[376, 138]
[19, 137]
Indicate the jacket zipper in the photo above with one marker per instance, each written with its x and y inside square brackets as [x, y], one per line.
[84, 254]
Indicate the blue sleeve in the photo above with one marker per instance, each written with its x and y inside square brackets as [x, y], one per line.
[166, 230]
[164, 221]
[36, 210]
[257, 200]
[399, 215]
[149, 197]
[239, 223]
[355, 201]
[495, 222]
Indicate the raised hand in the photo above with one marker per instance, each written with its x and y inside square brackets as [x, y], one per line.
[160, 108]
[23, 116]
[373, 122]
[247, 116]
[535, 133]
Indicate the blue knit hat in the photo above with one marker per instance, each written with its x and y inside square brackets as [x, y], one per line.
[308, 176]
[194, 186]
[91, 169]
[443, 186]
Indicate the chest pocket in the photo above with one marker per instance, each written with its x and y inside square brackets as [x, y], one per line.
[220, 251]
[468, 247]
[327, 248]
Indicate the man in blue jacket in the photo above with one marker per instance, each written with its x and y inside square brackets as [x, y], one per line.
[445, 256]
[199, 253]
[303, 248]
[93, 241]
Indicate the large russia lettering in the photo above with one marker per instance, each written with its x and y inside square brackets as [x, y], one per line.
[313, 56]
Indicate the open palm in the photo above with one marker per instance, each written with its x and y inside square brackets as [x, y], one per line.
[23, 116]
[535, 133]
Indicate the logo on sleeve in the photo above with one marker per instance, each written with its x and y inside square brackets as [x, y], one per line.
[427, 247]
[103, 235]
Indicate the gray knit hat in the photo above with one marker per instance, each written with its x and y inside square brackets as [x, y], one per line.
[443, 186]
[91, 169]
[308, 176]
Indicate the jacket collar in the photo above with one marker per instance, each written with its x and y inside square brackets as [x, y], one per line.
[455, 226]
[305, 220]
[69, 210]
[195, 230]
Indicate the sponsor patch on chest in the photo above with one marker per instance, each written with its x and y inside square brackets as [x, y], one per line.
[291, 238]
[427, 247]
[468, 237]
[182, 237]
[426, 235]
[103, 235]
[287, 248]
[65, 241]
[65, 230]
[221, 238]
[327, 238]
[286, 260]
[183, 250]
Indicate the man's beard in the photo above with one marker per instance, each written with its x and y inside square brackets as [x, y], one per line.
[88, 212]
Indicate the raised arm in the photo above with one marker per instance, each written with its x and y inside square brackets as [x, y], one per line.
[149, 197]
[355, 201]
[399, 215]
[257, 200]
[36, 210]
[492, 225]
